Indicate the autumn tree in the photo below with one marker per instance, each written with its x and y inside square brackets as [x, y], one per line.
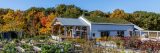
[97, 13]
[33, 16]
[46, 24]
[118, 13]
[13, 21]
[37, 20]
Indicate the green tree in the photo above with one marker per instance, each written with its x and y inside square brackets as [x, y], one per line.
[49, 10]
[68, 11]
[146, 20]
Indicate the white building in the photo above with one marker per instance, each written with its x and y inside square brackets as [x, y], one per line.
[84, 27]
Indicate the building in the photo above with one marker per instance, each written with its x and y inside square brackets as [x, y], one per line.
[84, 27]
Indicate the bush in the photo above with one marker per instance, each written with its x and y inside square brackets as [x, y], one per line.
[153, 45]
[9, 48]
[41, 37]
[103, 38]
[26, 47]
[132, 42]
[78, 40]
[56, 48]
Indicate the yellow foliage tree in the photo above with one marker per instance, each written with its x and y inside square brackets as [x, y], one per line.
[118, 14]
[13, 21]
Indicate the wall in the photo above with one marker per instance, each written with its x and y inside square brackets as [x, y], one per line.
[113, 33]
[113, 28]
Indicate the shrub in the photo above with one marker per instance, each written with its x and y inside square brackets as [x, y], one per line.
[153, 45]
[9, 48]
[26, 47]
[56, 48]
[132, 42]
[103, 38]
[77, 40]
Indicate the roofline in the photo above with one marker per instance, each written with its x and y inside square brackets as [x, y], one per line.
[67, 18]
[106, 23]
[74, 25]
[96, 23]
[111, 24]
[85, 19]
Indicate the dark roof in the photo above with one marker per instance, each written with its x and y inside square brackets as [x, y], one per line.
[104, 20]
[72, 21]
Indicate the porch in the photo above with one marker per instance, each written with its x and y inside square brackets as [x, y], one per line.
[70, 28]
[73, 32]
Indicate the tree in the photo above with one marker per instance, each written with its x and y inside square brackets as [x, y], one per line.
[68, 11]
[97, 13]
[118, 14]
[46, 24]
[36, 21]
[146, 20]
[49, 10]
[33, 16]
[13, 21]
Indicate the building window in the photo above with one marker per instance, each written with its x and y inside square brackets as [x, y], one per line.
[105, 33]
[120, 33]
[130, 32]
[93, 35]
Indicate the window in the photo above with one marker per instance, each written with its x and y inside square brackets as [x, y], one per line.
[105, 33]
[84, 28]
[93, 35]
[130, 32]
[120, 33]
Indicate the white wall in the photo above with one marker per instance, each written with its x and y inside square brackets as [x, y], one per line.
[97, 34]
[96, 28]
[113, 28]
[113, 33]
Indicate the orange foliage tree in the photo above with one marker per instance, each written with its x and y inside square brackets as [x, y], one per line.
[46, 24]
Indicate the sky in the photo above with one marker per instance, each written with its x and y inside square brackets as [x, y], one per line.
[103, 5]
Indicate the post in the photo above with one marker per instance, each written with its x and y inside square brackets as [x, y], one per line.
[140, 33]
[65, 32]
[148, 34]
[52, 30]
[80, 31]
[74, 31]
[157, 34]
[59, 31]
[88, 33]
